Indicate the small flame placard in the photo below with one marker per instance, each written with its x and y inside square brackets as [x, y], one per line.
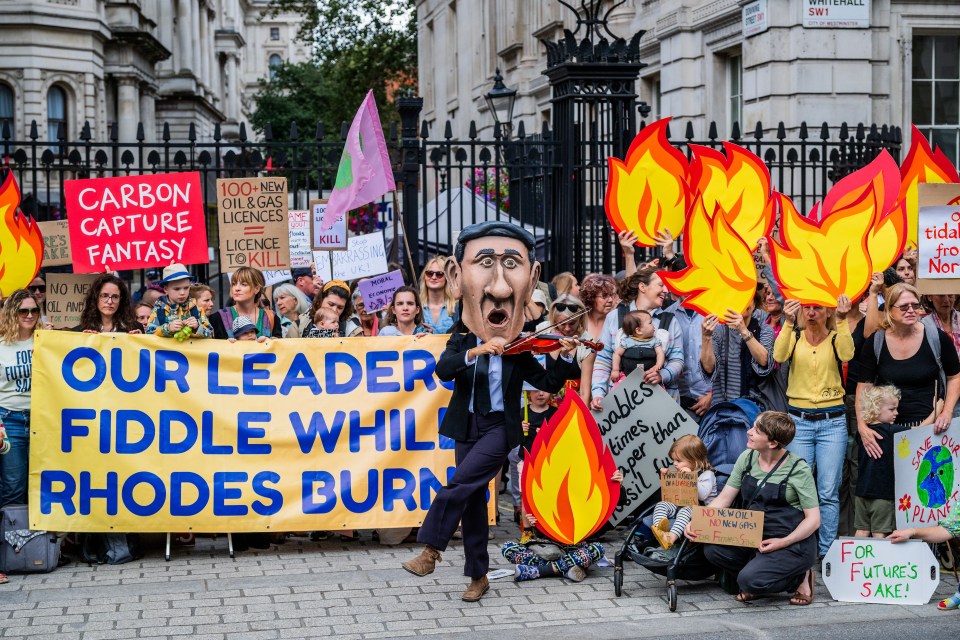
[921, 166]
[566, 475]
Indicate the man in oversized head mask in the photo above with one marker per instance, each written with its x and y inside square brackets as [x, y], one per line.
[494, 271]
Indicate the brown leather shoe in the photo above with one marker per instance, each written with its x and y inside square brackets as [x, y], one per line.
[423, 564]
[478, 587]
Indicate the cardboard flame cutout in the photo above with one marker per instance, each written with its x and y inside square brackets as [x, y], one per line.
[737, 183]
[921, 165]
[858, 230]
[566, 476]
[648, 192]
[721, 273]
[21, 243]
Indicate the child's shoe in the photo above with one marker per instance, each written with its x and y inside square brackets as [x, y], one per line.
[953, 602]
[660, 531]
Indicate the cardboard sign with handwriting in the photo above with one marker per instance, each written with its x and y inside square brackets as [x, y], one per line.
[65, 296]
[639, 423]
[252, 216]
[56, 243]
[938, 259]
[734, 527]
[679, 488]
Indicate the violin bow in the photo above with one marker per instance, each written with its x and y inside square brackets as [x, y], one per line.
[521, 341]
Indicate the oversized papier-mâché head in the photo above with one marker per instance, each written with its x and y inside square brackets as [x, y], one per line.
[494, 271]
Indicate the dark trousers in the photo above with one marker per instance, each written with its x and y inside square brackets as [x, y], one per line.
[765, 573]
[464, 500]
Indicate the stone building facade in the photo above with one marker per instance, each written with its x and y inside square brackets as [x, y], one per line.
[64, 63]
[747, 61]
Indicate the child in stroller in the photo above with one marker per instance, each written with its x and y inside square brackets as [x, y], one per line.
[688, 454]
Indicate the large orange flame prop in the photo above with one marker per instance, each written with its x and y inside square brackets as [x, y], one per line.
[720, 272]
[21, 243]
[648, 193]
[859, 230]
[566, 477]
[738, 184]
[922, 164]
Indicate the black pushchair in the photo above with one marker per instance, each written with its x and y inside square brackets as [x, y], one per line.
[723, 429]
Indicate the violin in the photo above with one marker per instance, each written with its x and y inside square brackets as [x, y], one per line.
[544, 343]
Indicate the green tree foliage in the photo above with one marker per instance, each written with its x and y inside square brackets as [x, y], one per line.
[358, 45]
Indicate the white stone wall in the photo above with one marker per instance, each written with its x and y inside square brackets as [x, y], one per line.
[790, 73]
[149, 61]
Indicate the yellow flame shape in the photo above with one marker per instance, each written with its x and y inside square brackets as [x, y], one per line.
[648, 192]
[739, 185]
[566, 476]
[720, 272]
[21, 243]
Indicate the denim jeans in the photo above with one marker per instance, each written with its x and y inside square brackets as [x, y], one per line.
[823, 444]
[15, 464]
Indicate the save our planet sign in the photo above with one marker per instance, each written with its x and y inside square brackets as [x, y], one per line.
[927, 480]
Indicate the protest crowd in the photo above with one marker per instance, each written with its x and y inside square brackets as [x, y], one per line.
[890, 363]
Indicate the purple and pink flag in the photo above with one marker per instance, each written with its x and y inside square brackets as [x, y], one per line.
[365, 173]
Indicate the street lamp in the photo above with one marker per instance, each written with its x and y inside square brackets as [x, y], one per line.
[500, 101]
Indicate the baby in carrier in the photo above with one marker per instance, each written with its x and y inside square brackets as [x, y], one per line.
[637, 345]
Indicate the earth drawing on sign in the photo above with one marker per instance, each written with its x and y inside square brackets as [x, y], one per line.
[935, 477]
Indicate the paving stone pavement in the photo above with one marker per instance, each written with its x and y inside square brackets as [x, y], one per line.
[305, 589]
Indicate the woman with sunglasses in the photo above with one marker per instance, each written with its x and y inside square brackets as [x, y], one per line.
[18, 322]
[904, 353]
[439, 305]
[107, 308]
[815, 341]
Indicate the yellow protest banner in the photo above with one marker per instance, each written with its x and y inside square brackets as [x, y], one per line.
[136, 433]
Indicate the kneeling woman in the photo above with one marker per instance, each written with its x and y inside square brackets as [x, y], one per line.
[770, 479]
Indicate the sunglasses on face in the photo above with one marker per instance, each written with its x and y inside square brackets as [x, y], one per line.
[31, 311]
[907, 306]
[563, 307]
[434, 274]
[38, 288]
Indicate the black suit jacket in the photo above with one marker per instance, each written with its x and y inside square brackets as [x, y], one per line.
[516, 369]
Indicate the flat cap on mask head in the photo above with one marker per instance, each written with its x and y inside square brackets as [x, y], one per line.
[494, 228]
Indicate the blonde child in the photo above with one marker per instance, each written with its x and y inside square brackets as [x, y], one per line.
[873, 502]
[175, 310]
[637, 345]
[688, 454]
[325, 325]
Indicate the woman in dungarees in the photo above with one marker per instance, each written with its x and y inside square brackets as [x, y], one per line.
[770, 479]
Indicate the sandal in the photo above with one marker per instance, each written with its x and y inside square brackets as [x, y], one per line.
[799, 599]
[746, 597]
[953, 602]
[4, 579]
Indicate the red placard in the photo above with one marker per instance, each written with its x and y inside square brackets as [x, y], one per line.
[135, 222]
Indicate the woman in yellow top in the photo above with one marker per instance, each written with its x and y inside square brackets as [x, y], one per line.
[815, 349]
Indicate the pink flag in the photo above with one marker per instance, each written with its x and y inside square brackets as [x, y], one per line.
[365, 173]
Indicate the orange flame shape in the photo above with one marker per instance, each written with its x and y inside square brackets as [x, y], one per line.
[566, 477]
[739, 184]
[859, 230]
[922, 164]
[21, 243]
[720, 272]
[648, 193]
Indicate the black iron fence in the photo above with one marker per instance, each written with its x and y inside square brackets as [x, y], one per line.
[444, 182]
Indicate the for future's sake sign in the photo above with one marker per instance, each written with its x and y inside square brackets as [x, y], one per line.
[134, 222]
[927, 482]
[881, 572]
[252, 214]
[640, 423]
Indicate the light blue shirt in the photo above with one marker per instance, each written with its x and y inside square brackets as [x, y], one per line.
[443, 323]
[494, 379]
